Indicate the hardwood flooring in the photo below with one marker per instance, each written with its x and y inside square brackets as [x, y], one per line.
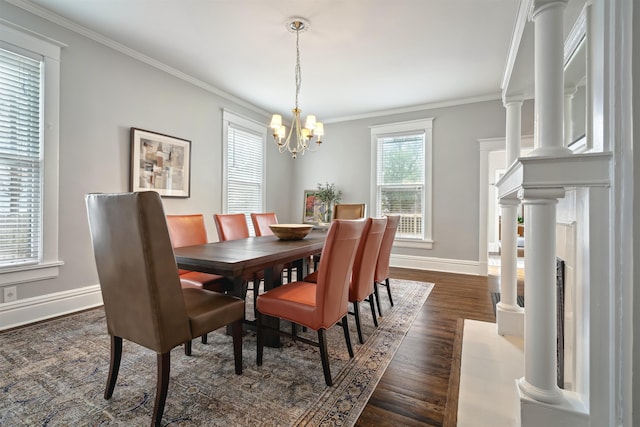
[414, 388]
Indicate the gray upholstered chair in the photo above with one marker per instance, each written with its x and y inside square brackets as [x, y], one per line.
[143, 300]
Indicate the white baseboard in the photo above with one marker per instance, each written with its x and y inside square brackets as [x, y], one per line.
[438, 264]
[30, 310]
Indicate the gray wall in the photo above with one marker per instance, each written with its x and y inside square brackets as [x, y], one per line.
[636, 217]
[345, 159]
[103, 94]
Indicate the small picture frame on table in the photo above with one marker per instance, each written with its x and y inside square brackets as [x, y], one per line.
[314, 209]
[160, 163]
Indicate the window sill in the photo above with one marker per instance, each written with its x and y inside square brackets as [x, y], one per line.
[417, 244]
[30, 273]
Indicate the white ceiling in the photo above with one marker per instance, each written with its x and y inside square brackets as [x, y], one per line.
[357, 58]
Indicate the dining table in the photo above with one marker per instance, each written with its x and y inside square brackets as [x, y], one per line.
[241, 258]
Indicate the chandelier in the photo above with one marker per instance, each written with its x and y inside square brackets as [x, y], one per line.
[299, 139]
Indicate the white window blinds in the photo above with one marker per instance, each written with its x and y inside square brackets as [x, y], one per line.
[400, 181]
[20, 159]
[244, 167]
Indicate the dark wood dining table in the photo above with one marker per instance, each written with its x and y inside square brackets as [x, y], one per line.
[241, 258]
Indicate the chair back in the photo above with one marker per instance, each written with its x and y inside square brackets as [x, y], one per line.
[338, 254]
[231, 226]
[382, 266]
[187, 230]
[137, 270]
[349, 211]
[364, 265]
[262, 221]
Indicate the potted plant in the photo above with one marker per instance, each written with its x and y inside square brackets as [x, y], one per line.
[329, 195]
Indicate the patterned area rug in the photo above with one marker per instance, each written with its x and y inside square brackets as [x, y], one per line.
[54, 373]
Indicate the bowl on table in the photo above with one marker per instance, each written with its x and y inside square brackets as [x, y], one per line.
[291, 231]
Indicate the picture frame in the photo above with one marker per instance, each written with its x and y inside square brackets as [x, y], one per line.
[160, 163]
[313, 209]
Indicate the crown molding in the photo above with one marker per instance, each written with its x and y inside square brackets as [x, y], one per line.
[79, 29]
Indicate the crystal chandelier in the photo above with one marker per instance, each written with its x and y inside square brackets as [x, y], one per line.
[299, 139]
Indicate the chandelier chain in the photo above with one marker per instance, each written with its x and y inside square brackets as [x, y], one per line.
[298, 71]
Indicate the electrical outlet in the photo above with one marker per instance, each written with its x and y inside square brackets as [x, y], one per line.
[10, 293]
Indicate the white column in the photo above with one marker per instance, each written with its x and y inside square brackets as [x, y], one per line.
[514, 129]
[568, 114]
[509, 316]
[549, 77]
[539, 381]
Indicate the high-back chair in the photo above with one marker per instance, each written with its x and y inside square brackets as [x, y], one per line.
[188, 230]
[231, 226]
[143, 300]
[382, 266]
[262, 221]
[317, 306]
[349, 211]
[361, 285]
[234, 227]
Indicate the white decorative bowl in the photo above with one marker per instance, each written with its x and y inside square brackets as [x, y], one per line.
[291, 231]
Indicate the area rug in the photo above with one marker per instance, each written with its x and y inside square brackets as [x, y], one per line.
[54, 373]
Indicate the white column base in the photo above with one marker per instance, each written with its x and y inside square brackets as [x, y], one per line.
[510, 320]
[570, 411]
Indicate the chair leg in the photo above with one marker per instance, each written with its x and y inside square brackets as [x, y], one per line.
[294, 331]
[114, 366]
[356, 312]
[377, 294]
[204, 339]
[164, 362]
[237, 345]
[187, 348]
[347, 336]
[259, 339]
[373, 310]
[324, 355]
[389, 291]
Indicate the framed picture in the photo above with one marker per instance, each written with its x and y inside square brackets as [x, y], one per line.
[161, 163]
[314, 210]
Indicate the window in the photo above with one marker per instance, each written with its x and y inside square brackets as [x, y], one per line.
[29, 115]
[244, 166]
[401, 180]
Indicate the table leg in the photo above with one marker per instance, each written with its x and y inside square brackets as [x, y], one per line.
[272, 278]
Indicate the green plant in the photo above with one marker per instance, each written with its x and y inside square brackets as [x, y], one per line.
[329, 195]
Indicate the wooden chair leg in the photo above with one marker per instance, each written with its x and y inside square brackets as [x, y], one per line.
[373, 310]
[187, 348]
[356, 312]
[389, 291]
[114, 365]
[204, 338]
[347, 336]
[259, 339]
[294, 331]
[164, 362]
[324, 355]
[237, 345]
[377, 294]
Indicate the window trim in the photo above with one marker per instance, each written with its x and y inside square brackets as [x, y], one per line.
[229, 118]
[50, 50]
[419, 126]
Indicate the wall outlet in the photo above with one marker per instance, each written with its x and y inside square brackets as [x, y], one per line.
[10, 293]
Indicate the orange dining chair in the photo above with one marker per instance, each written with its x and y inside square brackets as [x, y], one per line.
[262, 221]
[143, 300]
[361, 285]
[382, 266]
[317, 306]
[344, 211]
[349, 211]
[188, 230]
[234, 227]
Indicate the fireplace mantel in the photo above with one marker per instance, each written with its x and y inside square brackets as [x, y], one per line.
[575, 170]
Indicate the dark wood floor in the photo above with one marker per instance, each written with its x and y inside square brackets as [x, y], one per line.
[413, 390]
